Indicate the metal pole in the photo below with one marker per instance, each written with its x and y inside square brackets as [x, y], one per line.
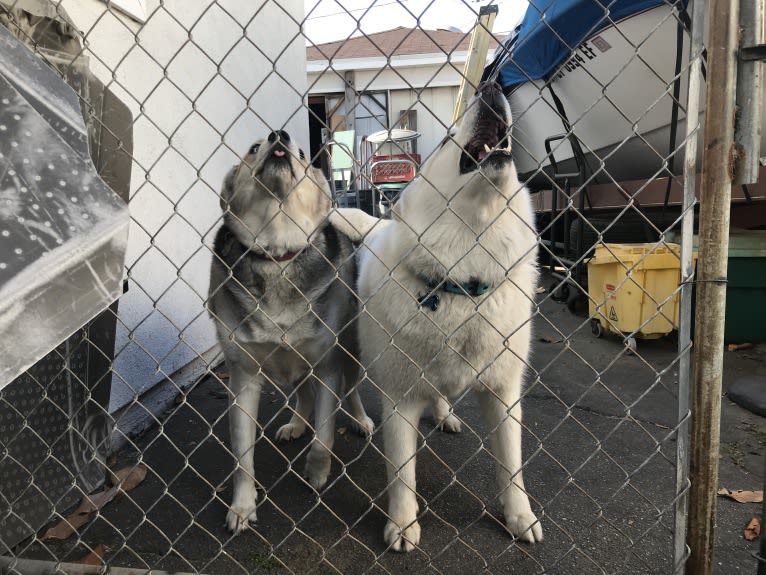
[749, 96]
[687, 275]
[350, 103]
[762, 553]
[715, 199]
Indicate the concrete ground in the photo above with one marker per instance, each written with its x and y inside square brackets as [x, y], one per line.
[600, 450]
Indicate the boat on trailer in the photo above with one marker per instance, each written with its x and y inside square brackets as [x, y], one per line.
[597, 88]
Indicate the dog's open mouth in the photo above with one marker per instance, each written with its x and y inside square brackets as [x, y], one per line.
[279, 153]
[486, 147]
[490, 144]
[277, 160]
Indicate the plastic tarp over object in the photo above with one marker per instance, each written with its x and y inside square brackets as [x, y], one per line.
[63, 231]
[550, 31]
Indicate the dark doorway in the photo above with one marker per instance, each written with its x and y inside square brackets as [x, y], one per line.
[317, 127]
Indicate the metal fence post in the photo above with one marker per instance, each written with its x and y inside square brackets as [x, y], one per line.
[715, 198]
[687, 274]
[762, 553]
[749, 96]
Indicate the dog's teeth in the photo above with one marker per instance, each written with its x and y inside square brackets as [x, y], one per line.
[487, 148]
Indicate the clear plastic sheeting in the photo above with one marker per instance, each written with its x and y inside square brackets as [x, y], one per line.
[63, 231]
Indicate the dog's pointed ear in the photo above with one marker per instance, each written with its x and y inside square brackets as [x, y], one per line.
[228, 188]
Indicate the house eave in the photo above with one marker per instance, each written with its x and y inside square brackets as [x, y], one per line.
[380, 62]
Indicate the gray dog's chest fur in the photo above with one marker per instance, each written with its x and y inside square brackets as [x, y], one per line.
[300, 306]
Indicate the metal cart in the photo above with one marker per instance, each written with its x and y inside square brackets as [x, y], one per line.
[392, 165]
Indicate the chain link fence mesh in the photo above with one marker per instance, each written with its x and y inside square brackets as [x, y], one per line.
[189, 86]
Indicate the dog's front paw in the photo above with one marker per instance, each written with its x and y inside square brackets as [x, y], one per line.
[450, 424]
[363, 427]
[290, 431]
[317, 468]
[402, 540]
[525, 526]
[239, 517]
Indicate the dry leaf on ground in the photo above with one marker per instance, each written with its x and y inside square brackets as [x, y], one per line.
[739, 346]
[753, 530]
[80, 516]
[123, 480]
[547, 339]
[129, 477]
[95, 557]
[742, 496]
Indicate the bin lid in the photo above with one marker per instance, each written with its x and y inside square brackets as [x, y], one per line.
[644, 255]
[742, 243]
[747, 243]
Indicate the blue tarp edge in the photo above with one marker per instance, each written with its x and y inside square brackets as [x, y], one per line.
[552, 29]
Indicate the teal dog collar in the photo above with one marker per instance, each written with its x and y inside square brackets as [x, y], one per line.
[473, 288]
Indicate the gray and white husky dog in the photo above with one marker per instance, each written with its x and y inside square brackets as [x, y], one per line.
[448, 286]
[282, 298]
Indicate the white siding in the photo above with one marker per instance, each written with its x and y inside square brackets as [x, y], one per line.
[434, 107]
[373, 74]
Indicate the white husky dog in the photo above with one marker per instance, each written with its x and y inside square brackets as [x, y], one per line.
[448, 287]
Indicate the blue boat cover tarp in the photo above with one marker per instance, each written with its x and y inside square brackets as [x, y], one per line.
[552, 29]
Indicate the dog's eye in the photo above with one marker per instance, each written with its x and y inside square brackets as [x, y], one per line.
[254, 148]
[301, 154]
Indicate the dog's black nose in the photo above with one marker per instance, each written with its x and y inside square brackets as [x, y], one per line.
[280, 135]
[491, 92]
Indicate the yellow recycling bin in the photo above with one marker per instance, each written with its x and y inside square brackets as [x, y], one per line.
[633, 290]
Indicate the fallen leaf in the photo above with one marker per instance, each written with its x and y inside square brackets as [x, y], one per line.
[95, 557]
[753, 530]
[549, 340]
[739, 346]
[96, 501]
[122, 480]
[64, 528]
[742, 496]
[80, 516]
[129, 477]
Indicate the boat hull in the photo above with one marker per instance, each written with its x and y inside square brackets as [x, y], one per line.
[616, 93]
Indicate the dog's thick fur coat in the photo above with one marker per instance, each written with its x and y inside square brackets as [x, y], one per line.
[281, 291]
[468, 221]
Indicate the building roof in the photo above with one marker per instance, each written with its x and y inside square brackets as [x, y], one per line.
[397, 42]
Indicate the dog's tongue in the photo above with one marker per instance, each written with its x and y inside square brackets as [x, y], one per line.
[482, 152]
[279, 153]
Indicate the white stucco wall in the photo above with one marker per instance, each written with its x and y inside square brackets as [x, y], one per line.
[199, 79]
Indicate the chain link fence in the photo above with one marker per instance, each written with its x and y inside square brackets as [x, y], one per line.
[123, 446]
